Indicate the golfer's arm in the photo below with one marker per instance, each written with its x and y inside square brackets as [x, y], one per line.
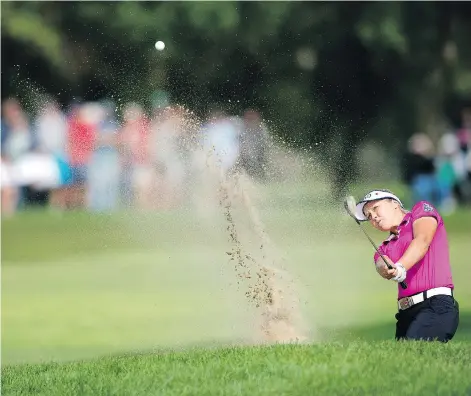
[424, 231]
[379, 263]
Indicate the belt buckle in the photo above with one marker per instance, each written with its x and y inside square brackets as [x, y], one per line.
[405, 303]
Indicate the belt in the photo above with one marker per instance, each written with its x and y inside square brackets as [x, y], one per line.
[407, 302]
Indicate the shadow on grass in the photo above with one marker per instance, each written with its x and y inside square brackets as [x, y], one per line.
[385, 331]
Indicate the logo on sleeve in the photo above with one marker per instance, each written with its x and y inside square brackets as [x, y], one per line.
[427, 208]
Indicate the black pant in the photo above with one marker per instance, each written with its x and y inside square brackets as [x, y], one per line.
[435, 319]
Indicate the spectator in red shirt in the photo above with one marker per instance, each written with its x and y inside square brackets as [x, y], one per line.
[80, 142]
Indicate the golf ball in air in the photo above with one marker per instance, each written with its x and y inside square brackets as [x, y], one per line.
[159, 45]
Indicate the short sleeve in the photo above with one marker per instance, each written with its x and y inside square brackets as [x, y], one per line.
[425, 209]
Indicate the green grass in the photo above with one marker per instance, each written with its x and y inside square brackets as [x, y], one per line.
[78, 287]
[356, 368]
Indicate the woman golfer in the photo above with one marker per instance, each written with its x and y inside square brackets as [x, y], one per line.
[417, 249]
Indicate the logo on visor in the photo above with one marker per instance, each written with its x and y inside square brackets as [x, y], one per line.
[427, 208]
[369, 195]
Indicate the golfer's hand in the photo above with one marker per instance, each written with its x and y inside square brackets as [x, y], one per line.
[399, 273]
[383, 270]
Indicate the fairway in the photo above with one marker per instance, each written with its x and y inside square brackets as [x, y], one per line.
[83, 286]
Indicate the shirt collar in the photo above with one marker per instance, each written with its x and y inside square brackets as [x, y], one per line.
[405, 220]
[403, 223]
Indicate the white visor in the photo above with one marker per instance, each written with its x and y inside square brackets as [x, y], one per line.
[373, 196]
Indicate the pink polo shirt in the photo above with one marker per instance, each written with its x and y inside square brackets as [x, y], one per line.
[434, 269]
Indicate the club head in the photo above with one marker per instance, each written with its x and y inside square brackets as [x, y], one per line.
[350, 206]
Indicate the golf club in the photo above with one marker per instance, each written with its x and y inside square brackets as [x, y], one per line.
[350, 207]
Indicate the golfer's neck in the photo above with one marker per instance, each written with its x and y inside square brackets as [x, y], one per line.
[397, 221]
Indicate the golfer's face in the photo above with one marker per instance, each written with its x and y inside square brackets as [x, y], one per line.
[380, 214]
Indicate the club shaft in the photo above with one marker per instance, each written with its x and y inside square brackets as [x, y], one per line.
[403, 284]
[376, 248]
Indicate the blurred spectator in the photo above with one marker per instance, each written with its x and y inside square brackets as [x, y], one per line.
[418, 169]
[450, 169]
[464, 133]
[9, 191]
[220, 141]
[468, 165]
[51, 129]
[167, 147]
[16, 132]
[51, 138]
[254, 145]
[58, 198]
[17, 140]
[80, 141]
[463, 189]
[39, 173]
[137, 171]
[104, 167]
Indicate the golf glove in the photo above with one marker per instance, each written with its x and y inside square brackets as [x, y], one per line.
[401, 273]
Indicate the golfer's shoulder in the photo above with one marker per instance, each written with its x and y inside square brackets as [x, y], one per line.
[425, 209]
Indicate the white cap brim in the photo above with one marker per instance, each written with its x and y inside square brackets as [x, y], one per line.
[374, 195]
